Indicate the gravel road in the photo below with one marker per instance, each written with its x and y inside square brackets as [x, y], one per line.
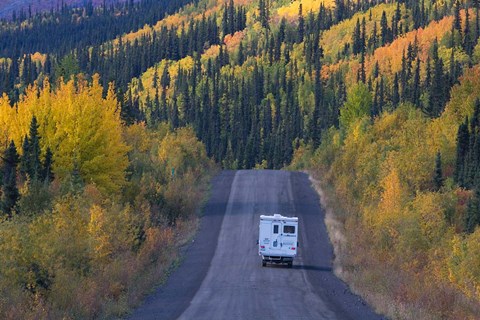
[221, 276]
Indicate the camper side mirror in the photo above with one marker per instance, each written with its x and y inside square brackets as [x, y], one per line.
[298, 246]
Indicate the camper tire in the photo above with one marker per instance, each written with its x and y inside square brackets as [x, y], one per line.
[290, 264]
[264, 264]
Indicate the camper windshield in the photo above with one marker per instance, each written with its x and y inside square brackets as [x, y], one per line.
[288, 229]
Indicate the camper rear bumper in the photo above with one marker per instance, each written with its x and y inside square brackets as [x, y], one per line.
[277, 259]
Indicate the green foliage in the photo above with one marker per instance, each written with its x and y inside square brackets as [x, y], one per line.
[358, 105]
[106, 183]
[36, 198]
[67, 68]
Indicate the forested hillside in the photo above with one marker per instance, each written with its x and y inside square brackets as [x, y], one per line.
[103, 105]
[10, 8]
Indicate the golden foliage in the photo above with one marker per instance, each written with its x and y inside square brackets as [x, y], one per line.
[181, 150]
[39, 57]
[290, 11]
[84, 253]
[334, 39]
[383, 173]
[211, 52]
[389, 57]
[80, 127]
[233, 41]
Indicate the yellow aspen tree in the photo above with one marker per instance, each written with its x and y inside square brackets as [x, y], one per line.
[101, 246]
[82, 129]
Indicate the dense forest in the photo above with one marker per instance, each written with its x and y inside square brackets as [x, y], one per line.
[114, 108]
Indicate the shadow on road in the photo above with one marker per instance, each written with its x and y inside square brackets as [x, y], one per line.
[301, 267]
[312, 268]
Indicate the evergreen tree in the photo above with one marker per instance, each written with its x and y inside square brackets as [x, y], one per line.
[339, 10]
[438, 89]
[75, 182]
[314, 125]
[165, 79]
[477, 24]
[375, 109]
[428, 75]
[34, 150]
[381, 96]
[240, 55]
[301, 25]
[225, 29]
[457, 21]
[30, 164]
[472, 216]
[25, 159]
[263, 13]
[468, 44]
[10, 194]
[47, 172]
[438, 173]
[357, 39]
[361, 72]
[231, 17]
[363, 37]
[395, 93]
[416, 85]
[384, 30]
[373, 41]
[463, 140]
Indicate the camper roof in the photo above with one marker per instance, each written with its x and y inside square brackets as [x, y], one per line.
[277, 217]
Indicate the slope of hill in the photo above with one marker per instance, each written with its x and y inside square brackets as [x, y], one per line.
[379, 98]
[7, 7]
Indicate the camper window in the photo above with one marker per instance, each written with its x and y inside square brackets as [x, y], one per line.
[275, 228]
[288, 229]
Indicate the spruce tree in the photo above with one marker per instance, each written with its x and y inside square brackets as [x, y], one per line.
[35, 164]
[384, 31]
[416, 85]
[477, 24]
[231, 17]
[356, 39]
[373, 41]
[301, 25]
[472, 216]
[428, 75]
[457, 22]
[363, 37]
[30, 164]
[438, 173]
[381, 96]
[314, 121]
[240, 55]
[47, 172]
[225, 29]
[395, 93]
[339, 10]
[438, 94]
[463, 141]
[10, 194]
[25, 158]
[362, 76]
[165, 79]
[467, 40]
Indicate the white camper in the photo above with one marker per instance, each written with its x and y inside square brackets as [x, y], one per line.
[278, 239]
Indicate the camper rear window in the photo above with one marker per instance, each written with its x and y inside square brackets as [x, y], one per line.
[288, 229]
[275, 228]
